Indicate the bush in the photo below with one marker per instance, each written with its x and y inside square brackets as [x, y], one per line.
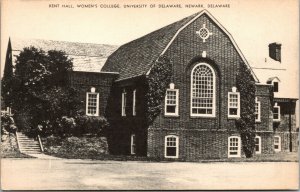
[76, 147]
[66, 126]
[7, 124]
[91, 125]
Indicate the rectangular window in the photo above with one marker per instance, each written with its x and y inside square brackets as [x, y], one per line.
[133, 102]
[133, 149]
[258, 145]
[277, 143]
[92, 104]
[124, 103]
[275, 86]
[171, 102]
[257, 111]
[276, 113]
[171, 146]
[234, 104]
[234, 146]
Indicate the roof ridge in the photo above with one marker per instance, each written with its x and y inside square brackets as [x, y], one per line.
[63, 41]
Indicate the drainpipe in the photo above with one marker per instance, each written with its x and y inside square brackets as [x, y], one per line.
[290, 125]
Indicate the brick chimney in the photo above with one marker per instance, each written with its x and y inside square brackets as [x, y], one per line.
[275, 51]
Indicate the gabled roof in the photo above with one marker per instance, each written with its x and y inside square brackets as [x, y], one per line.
[86, 56]
[272, 78]
[137, 57]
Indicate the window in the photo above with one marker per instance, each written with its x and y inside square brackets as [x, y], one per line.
[171, 146]
[258, 145]
[124, 103]
[257, 110]
[276, 113]
[275, 86]
[234, 104]
[92, 103]
[203, 91]
[277, 143]
[171, 101]
[132, 145]
[133, 102]
[234, 146]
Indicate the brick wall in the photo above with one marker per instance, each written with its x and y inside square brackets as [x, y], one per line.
[266, 114]
[201, 137]
[123, 127]
[285, 109]
[83, 81]
[193, 144]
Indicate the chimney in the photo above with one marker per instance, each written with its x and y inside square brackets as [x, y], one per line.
[275, 51]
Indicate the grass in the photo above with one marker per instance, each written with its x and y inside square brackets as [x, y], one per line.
[14, 154]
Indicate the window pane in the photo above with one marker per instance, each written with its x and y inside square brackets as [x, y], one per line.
[233, 111]
[171, 151]
[202, 90]
[92, 103]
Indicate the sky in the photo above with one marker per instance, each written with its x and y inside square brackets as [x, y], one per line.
[253, 24]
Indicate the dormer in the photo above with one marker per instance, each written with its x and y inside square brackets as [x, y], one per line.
[275, 82]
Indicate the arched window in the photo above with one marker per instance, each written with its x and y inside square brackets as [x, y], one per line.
[203, 86]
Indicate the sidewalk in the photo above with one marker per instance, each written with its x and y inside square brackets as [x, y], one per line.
[43, 156]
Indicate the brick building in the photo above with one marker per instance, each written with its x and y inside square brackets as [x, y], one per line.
[202, 103]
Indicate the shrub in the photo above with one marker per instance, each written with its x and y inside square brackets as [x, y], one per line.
[94, 125]
[76, 147]
[66, 126]
[7, 124]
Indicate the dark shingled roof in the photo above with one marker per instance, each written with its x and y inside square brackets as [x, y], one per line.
[136, 57]
[86, 56]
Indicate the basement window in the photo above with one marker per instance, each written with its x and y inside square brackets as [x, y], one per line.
[171, 146]
[277, 143]
[258, 145]
[234, 146]
[132, 145]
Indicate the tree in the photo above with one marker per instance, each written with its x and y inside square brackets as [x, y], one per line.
[7, 77]
[40, 89]
[246, 124]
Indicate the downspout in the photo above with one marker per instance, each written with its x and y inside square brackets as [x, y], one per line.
[290, 126]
